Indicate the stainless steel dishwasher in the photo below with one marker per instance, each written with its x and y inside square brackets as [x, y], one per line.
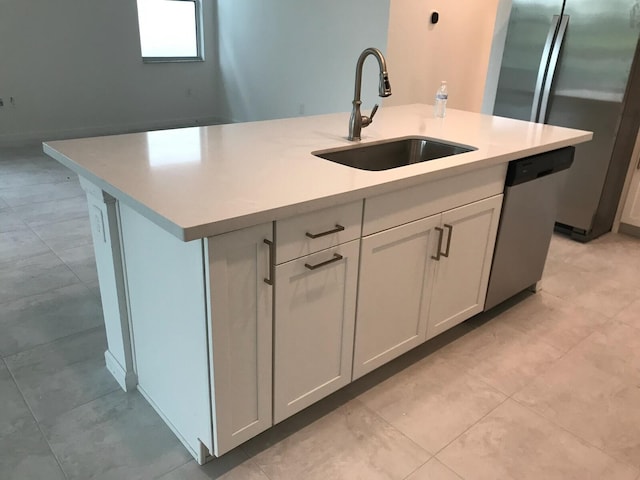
[528, 216]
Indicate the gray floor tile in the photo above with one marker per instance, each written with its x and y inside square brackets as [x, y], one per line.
[349, 442]
[42, 318]
[232, 466]
[33, 163]
[500, 355]
[33, 275]
[557, 322]
[594, 404]
[432, 402]
[614, 348]
[9, 221]
[115, 437]
[14, 413]
[434, 470]
[57, 377]
[12, 180]
[515, 443]
[94, 287]
[66, 234]
[630, 315]
[17, 244]
[82, 261]
[590, 290]
[25, 455]
[614, 257]
[45, 192]
[562, 248]
[44, 213]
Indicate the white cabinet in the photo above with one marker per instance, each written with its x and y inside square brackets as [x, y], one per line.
[240, 333]
[236, 332]
[461, 278]
[421, 278]
[393, 302]
[315, 304]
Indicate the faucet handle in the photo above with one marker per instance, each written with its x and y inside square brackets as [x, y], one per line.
[366, 121]
[373, 112]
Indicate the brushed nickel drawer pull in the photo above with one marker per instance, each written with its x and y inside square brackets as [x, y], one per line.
[450, 228]
[437, 255]
[338, 228]
[336, 257]
[269, 281]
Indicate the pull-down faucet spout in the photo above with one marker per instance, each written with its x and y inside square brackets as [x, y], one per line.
[359, 121]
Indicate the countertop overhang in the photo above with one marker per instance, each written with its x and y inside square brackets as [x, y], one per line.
[201, 181]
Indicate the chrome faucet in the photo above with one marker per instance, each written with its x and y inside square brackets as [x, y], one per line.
[359, 121]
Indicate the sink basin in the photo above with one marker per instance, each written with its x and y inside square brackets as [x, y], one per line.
[392, 153]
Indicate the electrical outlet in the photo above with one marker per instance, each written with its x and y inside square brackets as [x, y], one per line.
[98, 224]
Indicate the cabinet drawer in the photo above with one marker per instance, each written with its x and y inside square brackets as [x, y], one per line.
[315, 231]
[404, 206]
[315, 304]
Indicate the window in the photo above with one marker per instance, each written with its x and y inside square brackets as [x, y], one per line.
[170, 30]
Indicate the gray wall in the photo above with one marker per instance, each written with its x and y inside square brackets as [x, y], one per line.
[74, 67]
[283, 58]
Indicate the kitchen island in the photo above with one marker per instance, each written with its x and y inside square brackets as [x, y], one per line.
[243, 278]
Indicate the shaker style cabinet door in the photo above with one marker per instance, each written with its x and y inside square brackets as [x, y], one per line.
[240, 323]
[396, 269]
[460, 286]
[315, 304]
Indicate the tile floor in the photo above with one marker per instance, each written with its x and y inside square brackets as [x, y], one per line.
[546, 387]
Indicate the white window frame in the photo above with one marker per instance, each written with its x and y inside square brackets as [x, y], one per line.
[199, 39]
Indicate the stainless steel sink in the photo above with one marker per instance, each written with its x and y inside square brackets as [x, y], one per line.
[392, 153]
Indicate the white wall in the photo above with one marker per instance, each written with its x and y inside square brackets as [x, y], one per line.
[456, 49]
[283, 58]
[74, 68]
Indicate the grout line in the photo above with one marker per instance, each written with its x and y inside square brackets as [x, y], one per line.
[33, 347]
[466, 430]
[575, 435]
[44, 437]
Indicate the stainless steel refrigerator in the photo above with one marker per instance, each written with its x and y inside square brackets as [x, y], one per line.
[569, 63]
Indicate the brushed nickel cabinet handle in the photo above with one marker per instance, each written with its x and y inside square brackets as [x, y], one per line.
[338, 228]
[440, 232]
[269, 281]
[336, 257]
[448, 248]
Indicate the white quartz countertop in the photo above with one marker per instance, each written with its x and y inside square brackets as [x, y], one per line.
[202, 181]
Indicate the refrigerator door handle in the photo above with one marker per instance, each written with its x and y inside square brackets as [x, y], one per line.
[542, 69]
[557, 47]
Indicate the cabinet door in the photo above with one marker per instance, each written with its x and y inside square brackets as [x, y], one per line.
[460, 284]
[396, 268]
[240, 311]
[314, 320]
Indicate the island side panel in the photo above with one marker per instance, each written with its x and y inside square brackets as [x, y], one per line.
[105, 230]
[167, 300]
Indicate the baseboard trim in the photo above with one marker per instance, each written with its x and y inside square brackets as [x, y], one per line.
[127, 380]
[28, 138]
[629, 229]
